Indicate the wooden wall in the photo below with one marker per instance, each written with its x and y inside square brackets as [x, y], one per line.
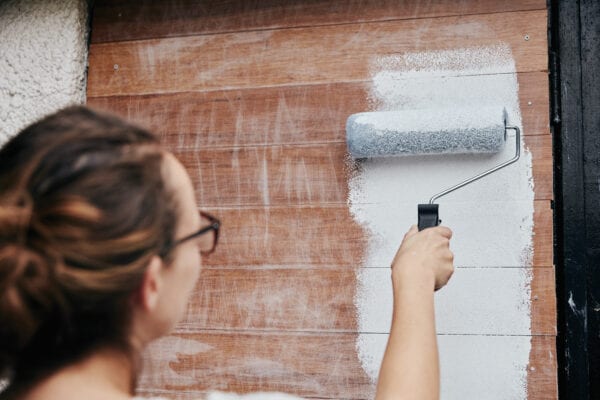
[252, 96]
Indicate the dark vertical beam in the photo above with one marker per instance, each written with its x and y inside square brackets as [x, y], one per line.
[575, 81]
[590, 79]
[570, 220]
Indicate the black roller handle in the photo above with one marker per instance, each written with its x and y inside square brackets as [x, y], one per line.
[428, 216]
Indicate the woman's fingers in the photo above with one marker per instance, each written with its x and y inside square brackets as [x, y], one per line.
[424, 254]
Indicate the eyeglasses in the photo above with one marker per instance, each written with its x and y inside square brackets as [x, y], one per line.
[207, 237]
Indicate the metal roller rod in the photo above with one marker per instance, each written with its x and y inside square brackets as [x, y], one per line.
[481, 175]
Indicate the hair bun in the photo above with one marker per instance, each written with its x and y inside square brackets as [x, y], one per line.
[28, 295]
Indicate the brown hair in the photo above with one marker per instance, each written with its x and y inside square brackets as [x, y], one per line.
[83, 208]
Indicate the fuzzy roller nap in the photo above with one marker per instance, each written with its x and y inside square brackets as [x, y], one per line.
[425, 132]
[438, 131]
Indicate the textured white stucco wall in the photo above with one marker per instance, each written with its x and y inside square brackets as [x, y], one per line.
[43, 58]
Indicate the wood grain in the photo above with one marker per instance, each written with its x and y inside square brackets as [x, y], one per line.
[543, 235]
[323, 300]
[542, 165]
[542, 381]
[133, 20]
[543, 300]
[305, 114]
[320, 236]
[310, 365]
[329, 54]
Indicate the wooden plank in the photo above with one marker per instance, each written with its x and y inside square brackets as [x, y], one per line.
[312, 174]
[328, 54]
[324, 236]
[320, 236]
[542, 380]
[282, 115]
[543, 300]
[134, 20]
[543, 234]
[542, 165]
[269, 175]
[324, 300]
[304, 114]
[534, 103]
[327, 365]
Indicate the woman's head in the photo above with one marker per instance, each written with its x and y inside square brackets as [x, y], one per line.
[90, 208]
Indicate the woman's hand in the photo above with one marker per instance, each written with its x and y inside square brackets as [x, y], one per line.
[424, 257]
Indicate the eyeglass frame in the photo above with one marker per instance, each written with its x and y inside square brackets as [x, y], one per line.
[215, 224]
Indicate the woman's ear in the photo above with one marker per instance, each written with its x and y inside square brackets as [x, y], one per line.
[152, 284]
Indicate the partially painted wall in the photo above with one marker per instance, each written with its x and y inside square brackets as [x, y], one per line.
[43, 58]
[253, 99]
[242, 125]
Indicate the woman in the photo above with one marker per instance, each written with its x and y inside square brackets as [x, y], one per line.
[101, 244]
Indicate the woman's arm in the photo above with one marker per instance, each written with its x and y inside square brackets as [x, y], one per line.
[410, 368]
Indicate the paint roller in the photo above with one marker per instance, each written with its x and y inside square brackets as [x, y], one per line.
[466, 130]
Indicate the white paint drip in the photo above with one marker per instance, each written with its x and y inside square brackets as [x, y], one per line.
[492, 221]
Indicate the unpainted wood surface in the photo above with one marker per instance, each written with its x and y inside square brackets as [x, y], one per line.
[313, 365]
[543, 302]
[543, 236]
[340, 53]
[118, 20]
[541, 373]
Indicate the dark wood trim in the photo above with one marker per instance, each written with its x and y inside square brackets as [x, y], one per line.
[575, 85]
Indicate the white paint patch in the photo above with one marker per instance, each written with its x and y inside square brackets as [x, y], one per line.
[573, 306]
[158, 373]
[160, 353]
[492, 220]
[482, 301]
[472, 367]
